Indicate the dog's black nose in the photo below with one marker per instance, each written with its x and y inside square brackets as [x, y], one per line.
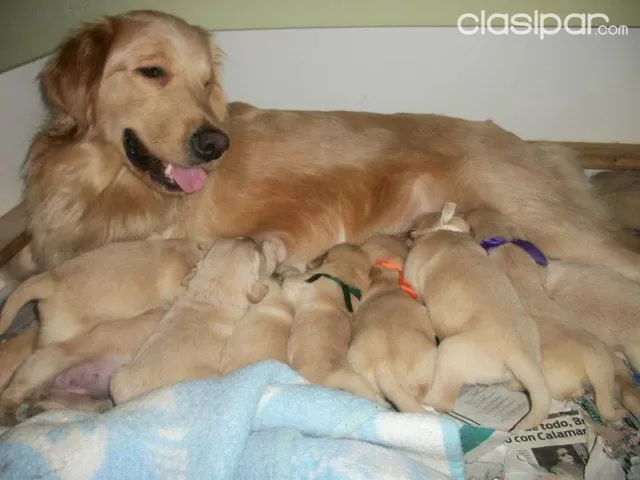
[209, 143]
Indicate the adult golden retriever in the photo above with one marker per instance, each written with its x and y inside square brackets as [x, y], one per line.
[142, 143]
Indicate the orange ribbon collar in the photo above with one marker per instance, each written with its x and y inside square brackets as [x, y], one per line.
[403, 283]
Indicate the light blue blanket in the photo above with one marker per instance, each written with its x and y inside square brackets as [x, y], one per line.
[262, 422]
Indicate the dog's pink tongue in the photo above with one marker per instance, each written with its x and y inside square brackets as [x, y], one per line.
[189, 179]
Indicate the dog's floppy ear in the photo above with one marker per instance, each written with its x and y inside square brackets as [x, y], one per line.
[71, 80]
[448, 211]
[257, 292]
[217, 97]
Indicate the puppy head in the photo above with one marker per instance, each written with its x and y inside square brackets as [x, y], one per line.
[341, 254]
[485, 223]
[148, 84]
[445, 220]
[385, 247]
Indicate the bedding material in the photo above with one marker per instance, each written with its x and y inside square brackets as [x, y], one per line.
[263, 422]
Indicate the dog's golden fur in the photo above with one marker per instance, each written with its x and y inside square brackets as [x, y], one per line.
[619, 191]
[116, 341]
[262, 333]
[321, 327]
[308, 180]
[572, 357]
[393, 344]
[189, 341]
[487, 336]
[114, 282]
[604, 303]
[311, 179]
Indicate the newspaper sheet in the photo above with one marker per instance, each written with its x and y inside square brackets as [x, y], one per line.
[573, 443]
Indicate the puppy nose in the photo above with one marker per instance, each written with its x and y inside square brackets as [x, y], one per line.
[209, 143]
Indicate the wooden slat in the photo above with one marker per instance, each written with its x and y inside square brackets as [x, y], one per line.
[606, 156]
[13, 233]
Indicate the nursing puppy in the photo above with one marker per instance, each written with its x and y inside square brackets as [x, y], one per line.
[393, 343]
[189, 341]
[117, 281]
[262, 333]
[324, 300]
[604, 303]
[571, 356]
[486, 335]
[74, 372]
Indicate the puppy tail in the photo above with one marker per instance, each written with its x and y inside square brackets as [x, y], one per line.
[38, 287]
[395, 392]
[529, 373]
[345, 378]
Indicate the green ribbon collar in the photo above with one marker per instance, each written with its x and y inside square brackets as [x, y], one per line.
[347, 290]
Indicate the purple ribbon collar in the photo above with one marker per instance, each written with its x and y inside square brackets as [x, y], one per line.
[534, 252]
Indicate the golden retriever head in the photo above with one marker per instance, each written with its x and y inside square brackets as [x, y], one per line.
[147, 83]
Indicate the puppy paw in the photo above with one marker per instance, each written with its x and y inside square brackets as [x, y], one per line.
[615, 415]
[439, 404]
[28, 409]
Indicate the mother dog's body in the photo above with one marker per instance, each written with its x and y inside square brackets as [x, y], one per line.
[309, 179]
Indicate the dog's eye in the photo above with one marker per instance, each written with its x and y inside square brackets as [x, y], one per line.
[157, 73]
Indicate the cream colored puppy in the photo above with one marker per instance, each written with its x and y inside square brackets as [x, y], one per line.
[114, 282]
[604, 302]
[486, 335]
[262, 333]
[393, 344]
[189, 341]
[77, 370]
[571, 356]
[324, 300]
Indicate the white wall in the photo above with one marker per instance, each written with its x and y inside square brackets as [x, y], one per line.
[20, 114]
[561, 88]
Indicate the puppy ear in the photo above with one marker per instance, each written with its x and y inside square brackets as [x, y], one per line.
[286, 271]
[71, 80]
[270, 260]
[448, 211]
[316, 262]
[274, 252]
[461, 225]
[257, 292]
